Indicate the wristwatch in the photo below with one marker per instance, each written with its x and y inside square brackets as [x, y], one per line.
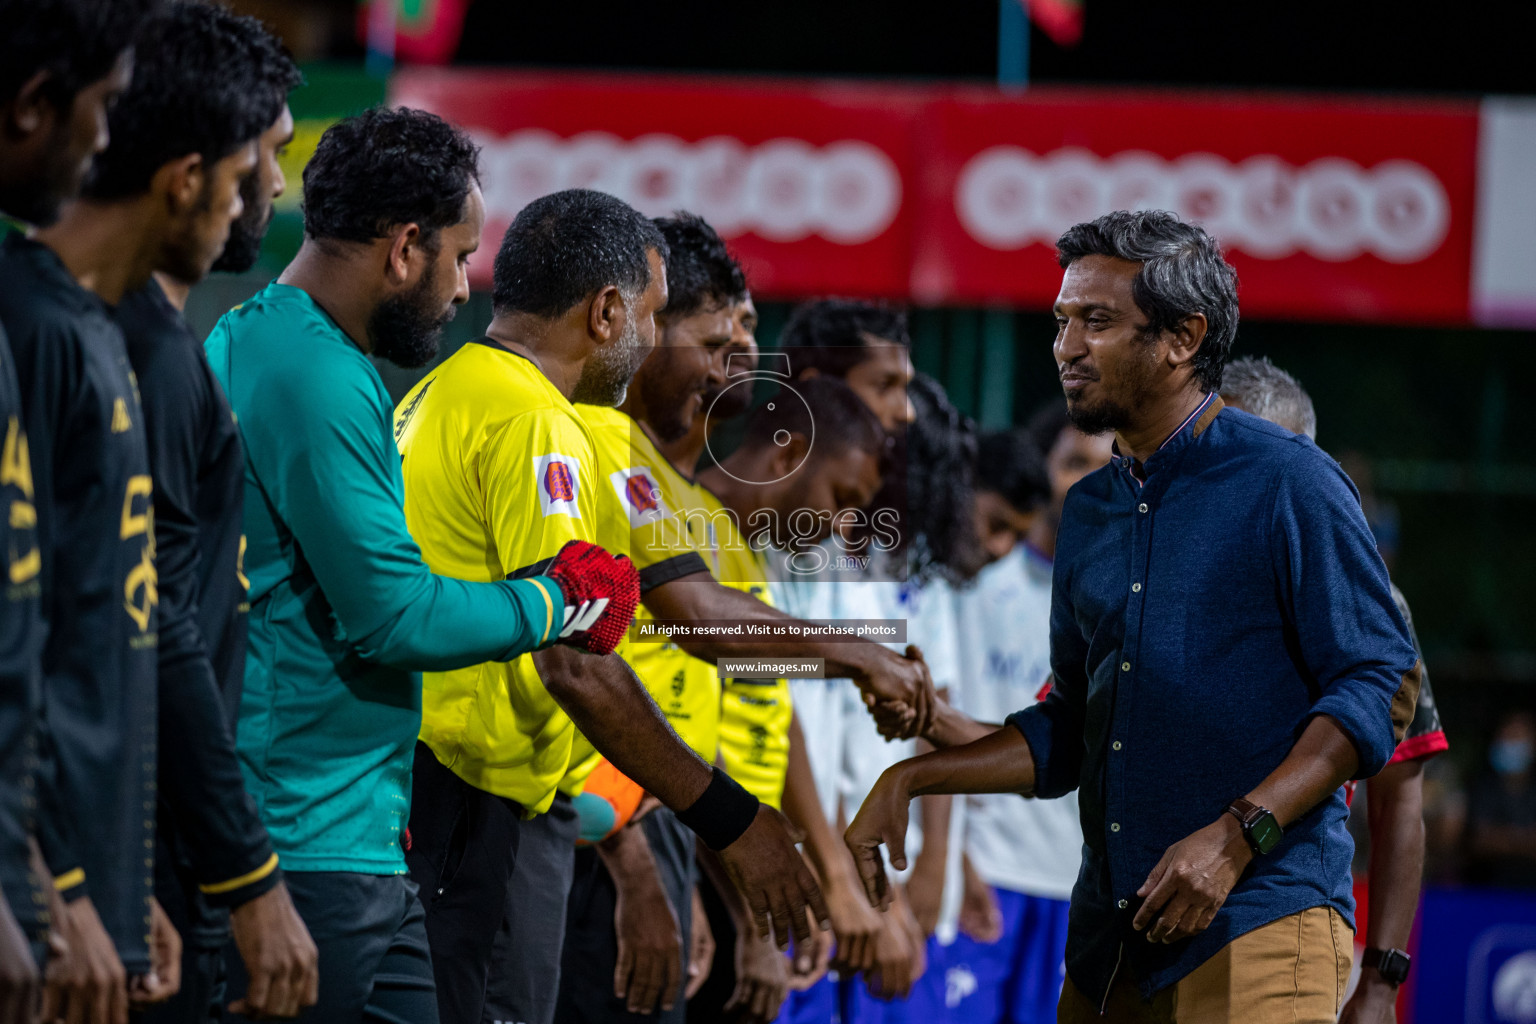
[1391, 964]
[1259, 826]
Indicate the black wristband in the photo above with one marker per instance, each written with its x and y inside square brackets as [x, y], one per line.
[721, 813]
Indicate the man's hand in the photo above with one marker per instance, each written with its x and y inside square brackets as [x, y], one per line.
[701, 947]
[1192, 880]
[19, 982]
[280, 958]
[881, 820]
[84, 981]
[902, 689]
[164, 977]
[811, 961]
[855, 924]
[1374, 1001]
[762, 979]
[899, 961]
[773, 878]
[980, 917]
[925, 891]
[650, 963]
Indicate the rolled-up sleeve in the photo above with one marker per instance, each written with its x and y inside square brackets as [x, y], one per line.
[1054, 727]
[1338, 600]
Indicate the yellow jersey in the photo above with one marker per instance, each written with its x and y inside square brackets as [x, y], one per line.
[649, 511]
[755, 714]
[500, 473]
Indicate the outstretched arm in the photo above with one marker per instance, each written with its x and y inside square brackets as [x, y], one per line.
[997, 763]
[878, 671]
[614, 711]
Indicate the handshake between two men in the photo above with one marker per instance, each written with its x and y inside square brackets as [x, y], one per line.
[612, 708]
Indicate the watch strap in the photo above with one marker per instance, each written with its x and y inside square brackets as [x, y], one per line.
[1245, 811]
[1391, 964]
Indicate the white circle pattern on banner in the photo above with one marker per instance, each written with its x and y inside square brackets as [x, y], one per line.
[1331, 208]
[785, 189]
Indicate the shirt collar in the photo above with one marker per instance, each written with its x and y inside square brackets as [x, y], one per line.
[1193, 426]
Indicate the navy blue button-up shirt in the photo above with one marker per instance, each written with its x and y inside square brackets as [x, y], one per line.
[1200, 618]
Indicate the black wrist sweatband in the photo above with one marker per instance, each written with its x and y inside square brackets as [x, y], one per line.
[721, 813]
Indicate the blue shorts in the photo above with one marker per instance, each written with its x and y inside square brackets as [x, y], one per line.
[819, 1004]
[1015, 980]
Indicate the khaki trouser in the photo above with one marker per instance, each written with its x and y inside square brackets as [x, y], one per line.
[1290, 971]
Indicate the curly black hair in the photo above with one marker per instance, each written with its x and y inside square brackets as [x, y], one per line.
[930, 486]
[205, 80]
[385, 167]
[75, 41]
[567, 245]
[701, 273]
[830, 335]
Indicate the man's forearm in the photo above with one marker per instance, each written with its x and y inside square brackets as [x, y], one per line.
[999, 762]
[1323, 759]
[952, 727]
[629, 859]
[1395, 804]
[701, 597]
[614, 712]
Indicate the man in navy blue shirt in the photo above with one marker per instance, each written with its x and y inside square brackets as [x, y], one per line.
[1226, 654]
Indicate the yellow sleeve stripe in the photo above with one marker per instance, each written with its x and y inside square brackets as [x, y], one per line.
[69, 879]
[549, 610]
[242, 881]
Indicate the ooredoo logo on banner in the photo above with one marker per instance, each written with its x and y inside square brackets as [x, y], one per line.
[1341, 209]
[1330, 209]
[810, 185]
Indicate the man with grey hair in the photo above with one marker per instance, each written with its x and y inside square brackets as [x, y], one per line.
[1256, 385]
[1226, 655]
[1396, 796]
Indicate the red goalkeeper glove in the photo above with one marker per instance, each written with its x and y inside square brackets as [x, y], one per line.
[601, 594]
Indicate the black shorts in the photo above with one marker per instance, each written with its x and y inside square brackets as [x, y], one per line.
[591, 944]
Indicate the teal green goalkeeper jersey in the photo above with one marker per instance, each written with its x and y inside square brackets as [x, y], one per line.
[344, 612]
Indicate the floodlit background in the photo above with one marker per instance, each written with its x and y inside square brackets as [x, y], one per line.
[1371, 169]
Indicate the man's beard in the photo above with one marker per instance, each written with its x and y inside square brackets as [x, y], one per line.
[406, 329]
[729, 401]
[1106, 416]
[245, 235]
[605, 378]
[1111, 414]
[39, 201]
[667, 395]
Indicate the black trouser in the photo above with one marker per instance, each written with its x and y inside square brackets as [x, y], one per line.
[374, 962]
[525, 966]
[708, 1004]
[204, 932]
[463, 848]
[592, 945]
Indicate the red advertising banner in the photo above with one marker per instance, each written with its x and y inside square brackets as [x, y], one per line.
[1331, 209]
[811, 183]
